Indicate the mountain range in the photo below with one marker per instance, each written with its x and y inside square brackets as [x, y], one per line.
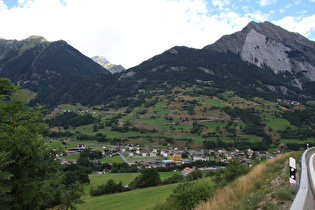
[261, 60]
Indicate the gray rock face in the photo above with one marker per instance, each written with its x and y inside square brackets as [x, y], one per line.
[260, 50]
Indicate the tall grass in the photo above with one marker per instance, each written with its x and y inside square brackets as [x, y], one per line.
[225, 198]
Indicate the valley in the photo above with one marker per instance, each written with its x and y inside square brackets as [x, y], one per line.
[244, 102]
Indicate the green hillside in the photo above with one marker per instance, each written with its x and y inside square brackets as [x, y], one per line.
[190, 117]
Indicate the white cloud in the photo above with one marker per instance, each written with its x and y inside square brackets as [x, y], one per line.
[304, 25]
[125, 32]
[221, 3]
[258, 16]
[282, 10]
[264, 3]
[2, 6]
[294, 3]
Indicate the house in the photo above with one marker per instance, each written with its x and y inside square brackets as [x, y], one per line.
[186, 161]
[71, 152]
[165, 155]
[175, 158]
[138, 151]
[131, 148]
[168, 163]
[152, 154]
[130, 154]
[202, 158]
[163, 151]
[80, 146]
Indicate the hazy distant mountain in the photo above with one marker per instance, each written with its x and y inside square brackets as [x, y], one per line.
[106, 64]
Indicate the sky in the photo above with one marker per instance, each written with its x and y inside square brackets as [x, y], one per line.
[128, 32]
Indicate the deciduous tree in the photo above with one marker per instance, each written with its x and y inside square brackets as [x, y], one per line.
[30, 176]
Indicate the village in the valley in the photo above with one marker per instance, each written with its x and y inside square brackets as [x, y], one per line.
[153, 156]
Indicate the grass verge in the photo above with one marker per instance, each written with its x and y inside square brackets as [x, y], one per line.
[265, 187]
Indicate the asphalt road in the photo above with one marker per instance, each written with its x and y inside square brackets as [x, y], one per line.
[310, 201]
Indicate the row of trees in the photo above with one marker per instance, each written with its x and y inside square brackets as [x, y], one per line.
[70, 119]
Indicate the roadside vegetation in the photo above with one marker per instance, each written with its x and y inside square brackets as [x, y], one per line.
[266, 186]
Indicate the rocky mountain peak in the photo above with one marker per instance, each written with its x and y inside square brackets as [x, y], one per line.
[269, 46]
[37, 37]
[106, 64]
[100, 60]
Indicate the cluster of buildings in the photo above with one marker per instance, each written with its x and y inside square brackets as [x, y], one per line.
[288, 102]
[174, 156]
[261, 105]
[74, 111]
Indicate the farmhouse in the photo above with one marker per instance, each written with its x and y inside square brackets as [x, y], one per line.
[167, 163]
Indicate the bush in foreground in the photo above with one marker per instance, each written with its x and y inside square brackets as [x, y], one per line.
[187, 195]
[109, 188]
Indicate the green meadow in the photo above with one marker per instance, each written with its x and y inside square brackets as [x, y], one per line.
[114, 159]
[144, 198]
[136, 199]
[276, 124]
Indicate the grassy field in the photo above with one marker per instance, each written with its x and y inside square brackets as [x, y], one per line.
[297, 141]
[26, 95]
[277, 124]
[140, 158]
[136, 199]
[71, 157]
[114, 159]
[98, 179]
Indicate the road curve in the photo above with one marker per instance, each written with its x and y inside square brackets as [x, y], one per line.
[305, 198]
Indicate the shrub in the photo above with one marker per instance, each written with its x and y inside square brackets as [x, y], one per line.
[174, 179]
[187, 195]
[194, 175]
[230, 173]
[148, 178]
[109, 188]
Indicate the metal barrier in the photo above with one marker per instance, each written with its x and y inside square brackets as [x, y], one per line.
[302, 195]
[312, 172]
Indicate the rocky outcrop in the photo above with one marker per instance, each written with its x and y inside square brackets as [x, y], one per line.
[261, 51]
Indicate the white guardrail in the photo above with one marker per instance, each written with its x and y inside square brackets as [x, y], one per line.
[302, 196]
[312, 172]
